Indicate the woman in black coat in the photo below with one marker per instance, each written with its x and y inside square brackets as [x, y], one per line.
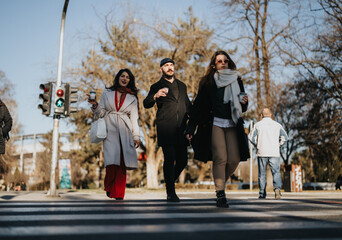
[216, 115]
[5, 126]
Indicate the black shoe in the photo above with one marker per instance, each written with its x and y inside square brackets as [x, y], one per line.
[221, 201]
[172, 198]
[108, 193]
[119, 199]
[262, 197]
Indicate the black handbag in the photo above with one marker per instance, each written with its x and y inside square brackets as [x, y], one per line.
[242, 140]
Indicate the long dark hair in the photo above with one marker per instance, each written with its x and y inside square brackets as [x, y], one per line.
[130, 85]
[208, 77]
[1, 103]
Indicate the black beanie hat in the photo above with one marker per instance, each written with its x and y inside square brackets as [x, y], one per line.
[166, 60]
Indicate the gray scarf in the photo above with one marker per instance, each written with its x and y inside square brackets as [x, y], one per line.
[228, 78]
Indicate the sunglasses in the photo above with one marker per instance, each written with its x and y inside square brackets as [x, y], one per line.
[220, 61]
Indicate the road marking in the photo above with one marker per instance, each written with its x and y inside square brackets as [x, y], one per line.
[122, 229]
[142, 216]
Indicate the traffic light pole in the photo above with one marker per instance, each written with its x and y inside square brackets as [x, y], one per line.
[55, 135]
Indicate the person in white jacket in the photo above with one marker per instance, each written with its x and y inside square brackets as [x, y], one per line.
[267, 136]
[119, 107]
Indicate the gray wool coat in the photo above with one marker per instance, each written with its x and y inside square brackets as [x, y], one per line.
[121, 126]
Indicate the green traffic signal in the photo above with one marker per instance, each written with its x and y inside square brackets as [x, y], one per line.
[60, 102]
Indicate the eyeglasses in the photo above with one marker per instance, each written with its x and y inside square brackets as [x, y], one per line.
[220, 61]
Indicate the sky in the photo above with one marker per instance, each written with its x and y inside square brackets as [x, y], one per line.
[29, 43]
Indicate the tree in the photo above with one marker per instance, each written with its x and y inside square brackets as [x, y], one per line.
[320, 55]
[257, 27]
[318, 86]
[320, 127]
[43, 163]
[288, 113]
[132, 44]
[86, 160]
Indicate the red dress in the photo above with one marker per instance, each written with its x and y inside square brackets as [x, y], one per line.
[115, 180]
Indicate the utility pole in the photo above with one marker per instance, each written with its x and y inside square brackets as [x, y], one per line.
[251, 159]
[22, 170]
[56, 117]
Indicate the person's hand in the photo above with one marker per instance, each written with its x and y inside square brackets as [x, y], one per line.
[189, 137]
[92, 101]
[244, 99]
[136, 143]
[161, 93]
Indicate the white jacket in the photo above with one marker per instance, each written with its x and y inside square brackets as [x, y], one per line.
[268, 135]
[122, 126]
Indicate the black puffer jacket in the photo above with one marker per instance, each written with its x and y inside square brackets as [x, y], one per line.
[5, 126]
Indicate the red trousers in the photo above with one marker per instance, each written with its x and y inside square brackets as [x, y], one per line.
[115, 180]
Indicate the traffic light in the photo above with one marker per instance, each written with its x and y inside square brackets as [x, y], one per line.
[70, 97]
[46, 97]
[59, 100]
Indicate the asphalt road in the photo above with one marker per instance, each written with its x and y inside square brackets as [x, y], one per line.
[146, 215]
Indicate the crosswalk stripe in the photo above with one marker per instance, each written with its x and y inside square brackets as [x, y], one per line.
[205, 227]
[130, 217]
[136, 216]
[201, 206]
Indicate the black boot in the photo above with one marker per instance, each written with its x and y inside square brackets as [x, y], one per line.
[221, 200]
[171, 193]
[172, 198]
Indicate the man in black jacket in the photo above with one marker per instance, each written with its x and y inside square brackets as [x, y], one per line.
[173, 105]
[5, 126]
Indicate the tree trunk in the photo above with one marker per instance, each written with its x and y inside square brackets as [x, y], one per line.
[152, 170]
[257, 57]
[257, 81]
[181, 178]
[265, 58]
[202, 172]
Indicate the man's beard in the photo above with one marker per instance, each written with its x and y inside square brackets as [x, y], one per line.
[168, 76]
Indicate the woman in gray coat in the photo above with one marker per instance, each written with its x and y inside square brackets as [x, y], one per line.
[119, 107]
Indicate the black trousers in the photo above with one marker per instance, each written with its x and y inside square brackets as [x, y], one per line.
[175, 160]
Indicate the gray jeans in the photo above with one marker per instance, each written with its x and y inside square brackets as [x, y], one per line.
[226, 156]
